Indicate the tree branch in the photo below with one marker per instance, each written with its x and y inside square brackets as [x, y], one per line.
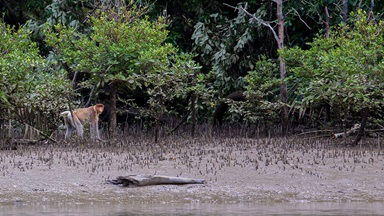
[326, 22]
[297, 13]
[92, 11]
[91, 95]
[262, 22]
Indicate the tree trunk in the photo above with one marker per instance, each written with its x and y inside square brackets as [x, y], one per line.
[284, 98]
[193, 114]
[345, 11]
[326, 22]
[157, 129]
[370, 14]
[280, 43]
[283, 72]
[364, 118]
[112, 114]
[9, 124]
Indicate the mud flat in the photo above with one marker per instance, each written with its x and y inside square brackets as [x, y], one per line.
[236, 171]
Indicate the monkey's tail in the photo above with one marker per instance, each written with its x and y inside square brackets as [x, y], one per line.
[67, 115]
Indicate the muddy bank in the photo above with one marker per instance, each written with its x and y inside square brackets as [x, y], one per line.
[235, 170]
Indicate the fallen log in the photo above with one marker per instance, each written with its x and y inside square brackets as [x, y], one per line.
[344, 134]
[145, 180]
[24, 141]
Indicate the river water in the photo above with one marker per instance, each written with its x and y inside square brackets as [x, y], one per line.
[350, 208]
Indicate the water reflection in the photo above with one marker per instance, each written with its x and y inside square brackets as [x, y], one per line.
[354, 208]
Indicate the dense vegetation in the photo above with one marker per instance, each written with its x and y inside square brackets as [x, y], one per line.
[316, 64]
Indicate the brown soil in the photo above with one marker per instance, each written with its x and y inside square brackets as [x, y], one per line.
[236, 171]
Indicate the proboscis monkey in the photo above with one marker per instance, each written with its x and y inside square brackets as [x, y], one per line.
[80, 116]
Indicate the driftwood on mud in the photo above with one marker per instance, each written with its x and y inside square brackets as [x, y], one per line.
[145, 180]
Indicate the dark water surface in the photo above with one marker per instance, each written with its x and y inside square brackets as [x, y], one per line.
[351, 208]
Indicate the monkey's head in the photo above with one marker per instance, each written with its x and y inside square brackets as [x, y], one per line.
[99, 108]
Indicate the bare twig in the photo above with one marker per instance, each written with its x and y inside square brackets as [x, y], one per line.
[297, 13]
[317, 12]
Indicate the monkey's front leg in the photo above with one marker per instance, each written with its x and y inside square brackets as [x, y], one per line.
[94, 130]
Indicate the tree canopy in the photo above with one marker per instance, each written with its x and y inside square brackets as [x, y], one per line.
[27, 79]
[178, 58]
[125, 50]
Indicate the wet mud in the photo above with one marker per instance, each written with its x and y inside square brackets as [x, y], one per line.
[236, 171]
